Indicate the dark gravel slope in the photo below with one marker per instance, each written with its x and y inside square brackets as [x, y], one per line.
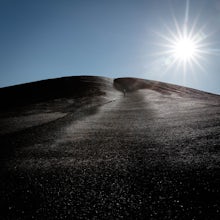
[97, 154]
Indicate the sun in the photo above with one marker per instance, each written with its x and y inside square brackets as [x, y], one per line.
[183, 45]
[185, 49]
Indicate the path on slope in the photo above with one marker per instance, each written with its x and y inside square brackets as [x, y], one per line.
[111, 134]
[161, 129]
[145, 155]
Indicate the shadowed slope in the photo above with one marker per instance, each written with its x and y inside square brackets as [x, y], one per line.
[46, 90]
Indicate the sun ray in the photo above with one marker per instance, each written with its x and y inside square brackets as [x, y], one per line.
[185, 47]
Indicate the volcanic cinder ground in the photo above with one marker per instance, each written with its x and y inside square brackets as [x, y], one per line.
[97, 148]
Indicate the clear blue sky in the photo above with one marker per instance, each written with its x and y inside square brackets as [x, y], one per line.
[41, 39]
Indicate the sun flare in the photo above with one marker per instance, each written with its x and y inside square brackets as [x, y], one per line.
[185, 49]
[184, 45]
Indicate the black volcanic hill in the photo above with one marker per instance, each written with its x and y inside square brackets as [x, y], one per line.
[83, 86]
[70, 93]
[90, 147]
[45, 90]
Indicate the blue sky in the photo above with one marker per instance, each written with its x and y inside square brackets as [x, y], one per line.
[52, 38]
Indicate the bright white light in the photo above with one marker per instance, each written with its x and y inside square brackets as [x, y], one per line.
[184, 49]
[184, 46]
